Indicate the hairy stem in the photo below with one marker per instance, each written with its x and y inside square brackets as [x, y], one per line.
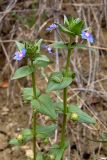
[34, 114]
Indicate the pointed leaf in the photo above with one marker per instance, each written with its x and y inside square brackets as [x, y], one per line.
[58, 151]
[14, 141]
[42, 61]
[52, 85]
[77, 46]
[22, 72]
[39, 156]
[28, 93]
[64, 29]
[59, 45]
[19, 45]
[45, 106]
[82, 116]
[38, 44]
[66, 22]
[27, 134]
[45, 131]
[76, 26]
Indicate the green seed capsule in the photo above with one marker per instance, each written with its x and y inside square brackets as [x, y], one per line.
[74, 116]
[52, 157]
[20, 137]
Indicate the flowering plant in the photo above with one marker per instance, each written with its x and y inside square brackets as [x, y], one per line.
[41, 102]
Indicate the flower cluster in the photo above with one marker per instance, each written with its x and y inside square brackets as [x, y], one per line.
[88, 36]
[19, 55]
[52, 27]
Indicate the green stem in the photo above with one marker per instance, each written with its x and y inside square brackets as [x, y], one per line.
[65, 99]
[34, 114]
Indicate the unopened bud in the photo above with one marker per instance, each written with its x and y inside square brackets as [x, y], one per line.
[19, 137]
[52, 157]
[74, 116]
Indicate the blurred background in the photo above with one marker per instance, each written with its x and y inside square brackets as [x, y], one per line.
[23, 20]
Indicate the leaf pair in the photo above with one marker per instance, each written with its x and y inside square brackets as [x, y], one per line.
[41, 132]
[57, 81]
[72, 26]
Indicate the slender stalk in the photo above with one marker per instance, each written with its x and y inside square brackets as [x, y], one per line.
[34, 114]
[65, 100]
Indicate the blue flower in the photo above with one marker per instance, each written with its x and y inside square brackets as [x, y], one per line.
[49, 49]
[88, 36]
[51, 27]
[19, 55]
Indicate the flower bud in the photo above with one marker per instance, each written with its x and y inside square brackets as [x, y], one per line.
[52, 157]
[19, 137]
[74, 116]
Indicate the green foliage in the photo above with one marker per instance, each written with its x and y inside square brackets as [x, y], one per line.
[28, 94]
[59, 44]
[76, 26]
[72, 26]
[26, 134]
[42, 103]
[23, 72]
[66, 22]
[65, 30]
[33, 49]
[82, 116]
[57, 77]
[38, 44]
[42, 61]
[57, 82]
[14, 141]
[46, 131]
[62, 45]
[39, 156]
[20, 46]
[58, 151]
[74, 109]
[45, 106]
[24, 137]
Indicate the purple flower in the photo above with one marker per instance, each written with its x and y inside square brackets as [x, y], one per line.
[51, 27]
[19, 55]
[88, 36]
[49, 49]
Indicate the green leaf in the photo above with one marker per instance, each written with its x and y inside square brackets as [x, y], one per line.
[57, 77]
[14, 141]
[45, 131]
[59, 45]
[45, 106]
[42, 61]
[27, 134]
[39, 156]
[76, 26]
[66, 22]
[64, 29]
[28, 93]
[19, 45]
[23, 72]
[58, 106]
[58, 151]
[82, 116]
[38, 44]
[54, 85]
[77, 46]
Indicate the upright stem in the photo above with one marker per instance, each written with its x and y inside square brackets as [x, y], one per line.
[65, 99]
[34, 115]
